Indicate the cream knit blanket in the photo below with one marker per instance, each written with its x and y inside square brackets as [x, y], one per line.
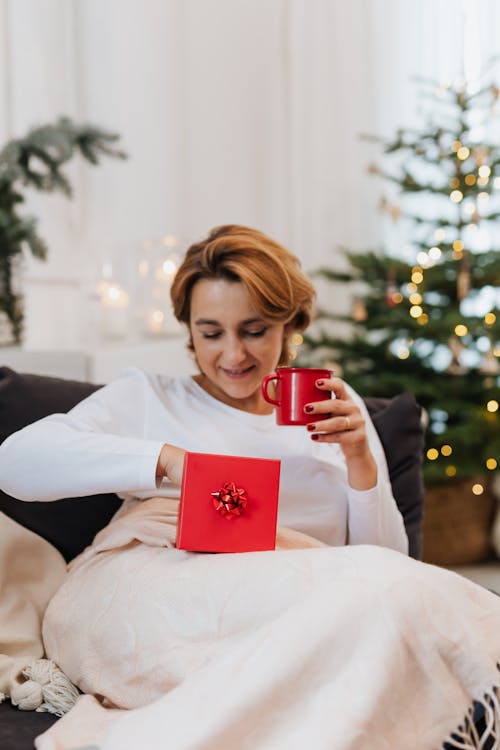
[31, 571]
[353, 648]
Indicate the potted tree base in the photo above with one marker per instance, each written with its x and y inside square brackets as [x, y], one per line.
[457, 527]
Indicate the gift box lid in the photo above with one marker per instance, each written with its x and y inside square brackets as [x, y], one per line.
[228, 503]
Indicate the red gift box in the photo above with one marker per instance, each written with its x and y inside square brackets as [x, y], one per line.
[228, 503]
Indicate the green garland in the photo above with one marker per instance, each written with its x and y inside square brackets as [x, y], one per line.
[36, 161]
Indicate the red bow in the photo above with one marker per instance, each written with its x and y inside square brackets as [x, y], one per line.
[229, 501]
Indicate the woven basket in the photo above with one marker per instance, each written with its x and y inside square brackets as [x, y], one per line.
[457, 524]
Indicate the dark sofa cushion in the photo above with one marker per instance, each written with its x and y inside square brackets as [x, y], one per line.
[398, 422]
[71, 524]
[18, 729]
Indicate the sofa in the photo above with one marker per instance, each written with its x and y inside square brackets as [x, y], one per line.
[70, 524]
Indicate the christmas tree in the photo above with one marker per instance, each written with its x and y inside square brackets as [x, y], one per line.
[36, 161]
[426, 319]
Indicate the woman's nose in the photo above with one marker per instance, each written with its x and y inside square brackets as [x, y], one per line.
[235, 351]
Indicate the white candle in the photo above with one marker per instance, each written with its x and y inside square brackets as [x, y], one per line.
[114, 311]
[156, 319]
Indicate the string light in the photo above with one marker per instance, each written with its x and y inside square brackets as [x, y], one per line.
[456, 196]
[446, 450]
[435, 253]
[492, 406]
[484, 170]
[491, 464]
[417, 276]
[490, 318]
[461, 330]
[470, 179]
[423, 319]
[455, 146]
[432, 454]
[482, 181]
[439, 235]
[458, 245]
[416, 311]
[477, 489]
[423, 259]
[454, 182]
[415, 298]
[463, 153]
[450, 470]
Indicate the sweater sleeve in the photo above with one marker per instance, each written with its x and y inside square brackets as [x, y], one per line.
[97, 447]
[373, 515]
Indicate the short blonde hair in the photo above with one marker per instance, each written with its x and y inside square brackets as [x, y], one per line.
[278, 289]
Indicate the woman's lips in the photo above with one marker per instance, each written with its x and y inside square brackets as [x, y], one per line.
[237, 374]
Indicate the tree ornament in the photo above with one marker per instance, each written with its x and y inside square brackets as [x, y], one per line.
[391, 209]
[463, 277]
[480, 154]
[456, 348]
[359, 312]
[463, 284]
[391, 289]
[394, 212]
[489, 364]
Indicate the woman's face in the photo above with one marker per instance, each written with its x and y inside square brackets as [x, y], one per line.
[234, 346]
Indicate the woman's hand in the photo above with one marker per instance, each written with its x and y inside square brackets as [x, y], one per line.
[170, 463]
[344, 425]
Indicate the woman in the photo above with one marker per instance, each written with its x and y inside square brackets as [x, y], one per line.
[325, 642]
[241, 296]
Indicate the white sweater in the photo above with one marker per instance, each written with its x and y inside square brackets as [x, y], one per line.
[111, 441]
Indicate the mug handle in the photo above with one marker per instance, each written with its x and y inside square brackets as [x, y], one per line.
[267, 379]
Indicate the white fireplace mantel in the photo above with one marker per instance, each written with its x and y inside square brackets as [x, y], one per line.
[105, 361]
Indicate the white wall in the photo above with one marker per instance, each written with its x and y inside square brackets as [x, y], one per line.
[242, 111]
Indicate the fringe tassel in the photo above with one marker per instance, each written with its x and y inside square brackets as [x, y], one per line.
[478, 735]
[47, 689]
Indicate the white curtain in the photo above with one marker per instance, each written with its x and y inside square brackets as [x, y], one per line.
[245, 111]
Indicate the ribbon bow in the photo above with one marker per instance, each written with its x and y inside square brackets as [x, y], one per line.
[229, 501]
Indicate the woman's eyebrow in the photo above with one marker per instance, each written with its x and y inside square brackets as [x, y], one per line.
[206, 321]
[210, 322]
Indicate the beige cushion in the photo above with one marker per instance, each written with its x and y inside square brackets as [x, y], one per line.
[31, 570]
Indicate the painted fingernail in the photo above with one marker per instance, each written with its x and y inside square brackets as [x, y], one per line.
[319, 383]
[311, 427]
[308, 408]
[315, 436]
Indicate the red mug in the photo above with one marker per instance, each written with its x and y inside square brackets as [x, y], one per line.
[296, 387]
